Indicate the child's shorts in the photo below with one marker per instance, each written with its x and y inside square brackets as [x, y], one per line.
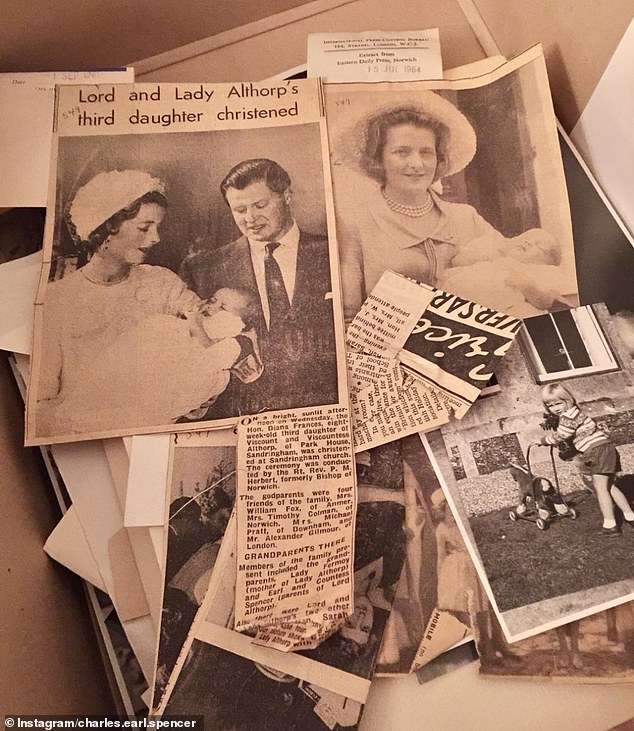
[600, 460]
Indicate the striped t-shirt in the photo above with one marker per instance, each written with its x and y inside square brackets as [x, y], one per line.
[575, 425]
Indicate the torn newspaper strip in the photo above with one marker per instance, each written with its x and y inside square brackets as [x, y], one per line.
[447, 346]
[595, 649]
[343, 663]
[295, 518]
[540, 474]
[190, 272]
[456, 183]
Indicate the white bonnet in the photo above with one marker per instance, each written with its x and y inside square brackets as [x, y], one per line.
[106, 194]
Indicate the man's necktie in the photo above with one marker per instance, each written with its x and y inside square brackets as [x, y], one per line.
[279, 304]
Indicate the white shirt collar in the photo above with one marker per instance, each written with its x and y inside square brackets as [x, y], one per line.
[290, 240]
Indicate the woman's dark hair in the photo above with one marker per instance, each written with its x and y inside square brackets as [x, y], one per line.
[376, 136]
[113, 224]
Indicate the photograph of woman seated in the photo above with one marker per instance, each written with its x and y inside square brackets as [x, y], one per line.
[136, 348]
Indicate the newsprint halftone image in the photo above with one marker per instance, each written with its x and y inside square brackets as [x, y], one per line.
[190, 272]
[456, 184]
[540, 474]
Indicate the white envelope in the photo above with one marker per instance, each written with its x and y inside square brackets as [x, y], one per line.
[67, 545]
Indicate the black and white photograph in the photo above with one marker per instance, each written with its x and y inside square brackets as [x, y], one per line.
[458, 185]
[202, 494]
[540, 474]
[190, 277]
[242, 695]
[439, 588]
[595, 649]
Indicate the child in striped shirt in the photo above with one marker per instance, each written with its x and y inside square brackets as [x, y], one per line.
[597, 454]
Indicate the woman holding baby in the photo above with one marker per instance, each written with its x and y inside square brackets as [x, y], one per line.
[126, 344]
[398, 219]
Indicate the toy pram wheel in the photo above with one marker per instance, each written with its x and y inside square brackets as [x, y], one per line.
[512, 515]
[541, 523]
[572, 513]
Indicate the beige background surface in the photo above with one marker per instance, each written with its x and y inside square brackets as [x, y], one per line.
[48, 660]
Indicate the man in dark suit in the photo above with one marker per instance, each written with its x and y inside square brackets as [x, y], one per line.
[287, 273]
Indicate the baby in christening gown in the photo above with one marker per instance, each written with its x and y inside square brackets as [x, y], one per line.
[198, 351]
[519, 276]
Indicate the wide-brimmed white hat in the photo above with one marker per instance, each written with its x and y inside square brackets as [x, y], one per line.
[350, 143]
[106, 194]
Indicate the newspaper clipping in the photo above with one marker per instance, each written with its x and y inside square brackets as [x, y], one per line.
[456, 183]
[540, 474]
[295, 518]
[190, 272]
[344, 663]
[447, 345]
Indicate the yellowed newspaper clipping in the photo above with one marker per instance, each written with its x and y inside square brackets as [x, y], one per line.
[295, 517]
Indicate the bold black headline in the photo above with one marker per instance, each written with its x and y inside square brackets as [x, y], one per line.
[196, 94]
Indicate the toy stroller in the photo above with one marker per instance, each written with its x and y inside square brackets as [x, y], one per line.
[542, 501]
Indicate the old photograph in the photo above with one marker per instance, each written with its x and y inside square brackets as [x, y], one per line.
[202, 494]
[243, 695]
[439, 587]
[541, 473]
[190, 276]
[596, 649]
[456, 184]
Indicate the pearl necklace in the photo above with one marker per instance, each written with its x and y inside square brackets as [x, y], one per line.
[411, 211]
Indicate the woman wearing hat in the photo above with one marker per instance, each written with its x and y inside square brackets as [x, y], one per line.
[397, 220]
[87, 382]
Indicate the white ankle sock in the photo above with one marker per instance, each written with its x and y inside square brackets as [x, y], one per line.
[609, 523]
[629, 516]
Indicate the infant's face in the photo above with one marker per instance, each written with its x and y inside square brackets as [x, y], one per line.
[535, 246]
[229, 300]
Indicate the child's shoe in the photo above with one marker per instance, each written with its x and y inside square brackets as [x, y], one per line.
[614, 531]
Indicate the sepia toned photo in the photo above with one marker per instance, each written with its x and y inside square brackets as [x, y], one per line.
[439, 588]
[458, 185]
[189, 278]
[541, 473]
[596, 649]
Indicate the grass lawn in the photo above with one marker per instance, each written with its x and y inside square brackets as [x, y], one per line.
[525, 565]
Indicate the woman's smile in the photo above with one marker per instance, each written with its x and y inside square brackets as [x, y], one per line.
[409, 163]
